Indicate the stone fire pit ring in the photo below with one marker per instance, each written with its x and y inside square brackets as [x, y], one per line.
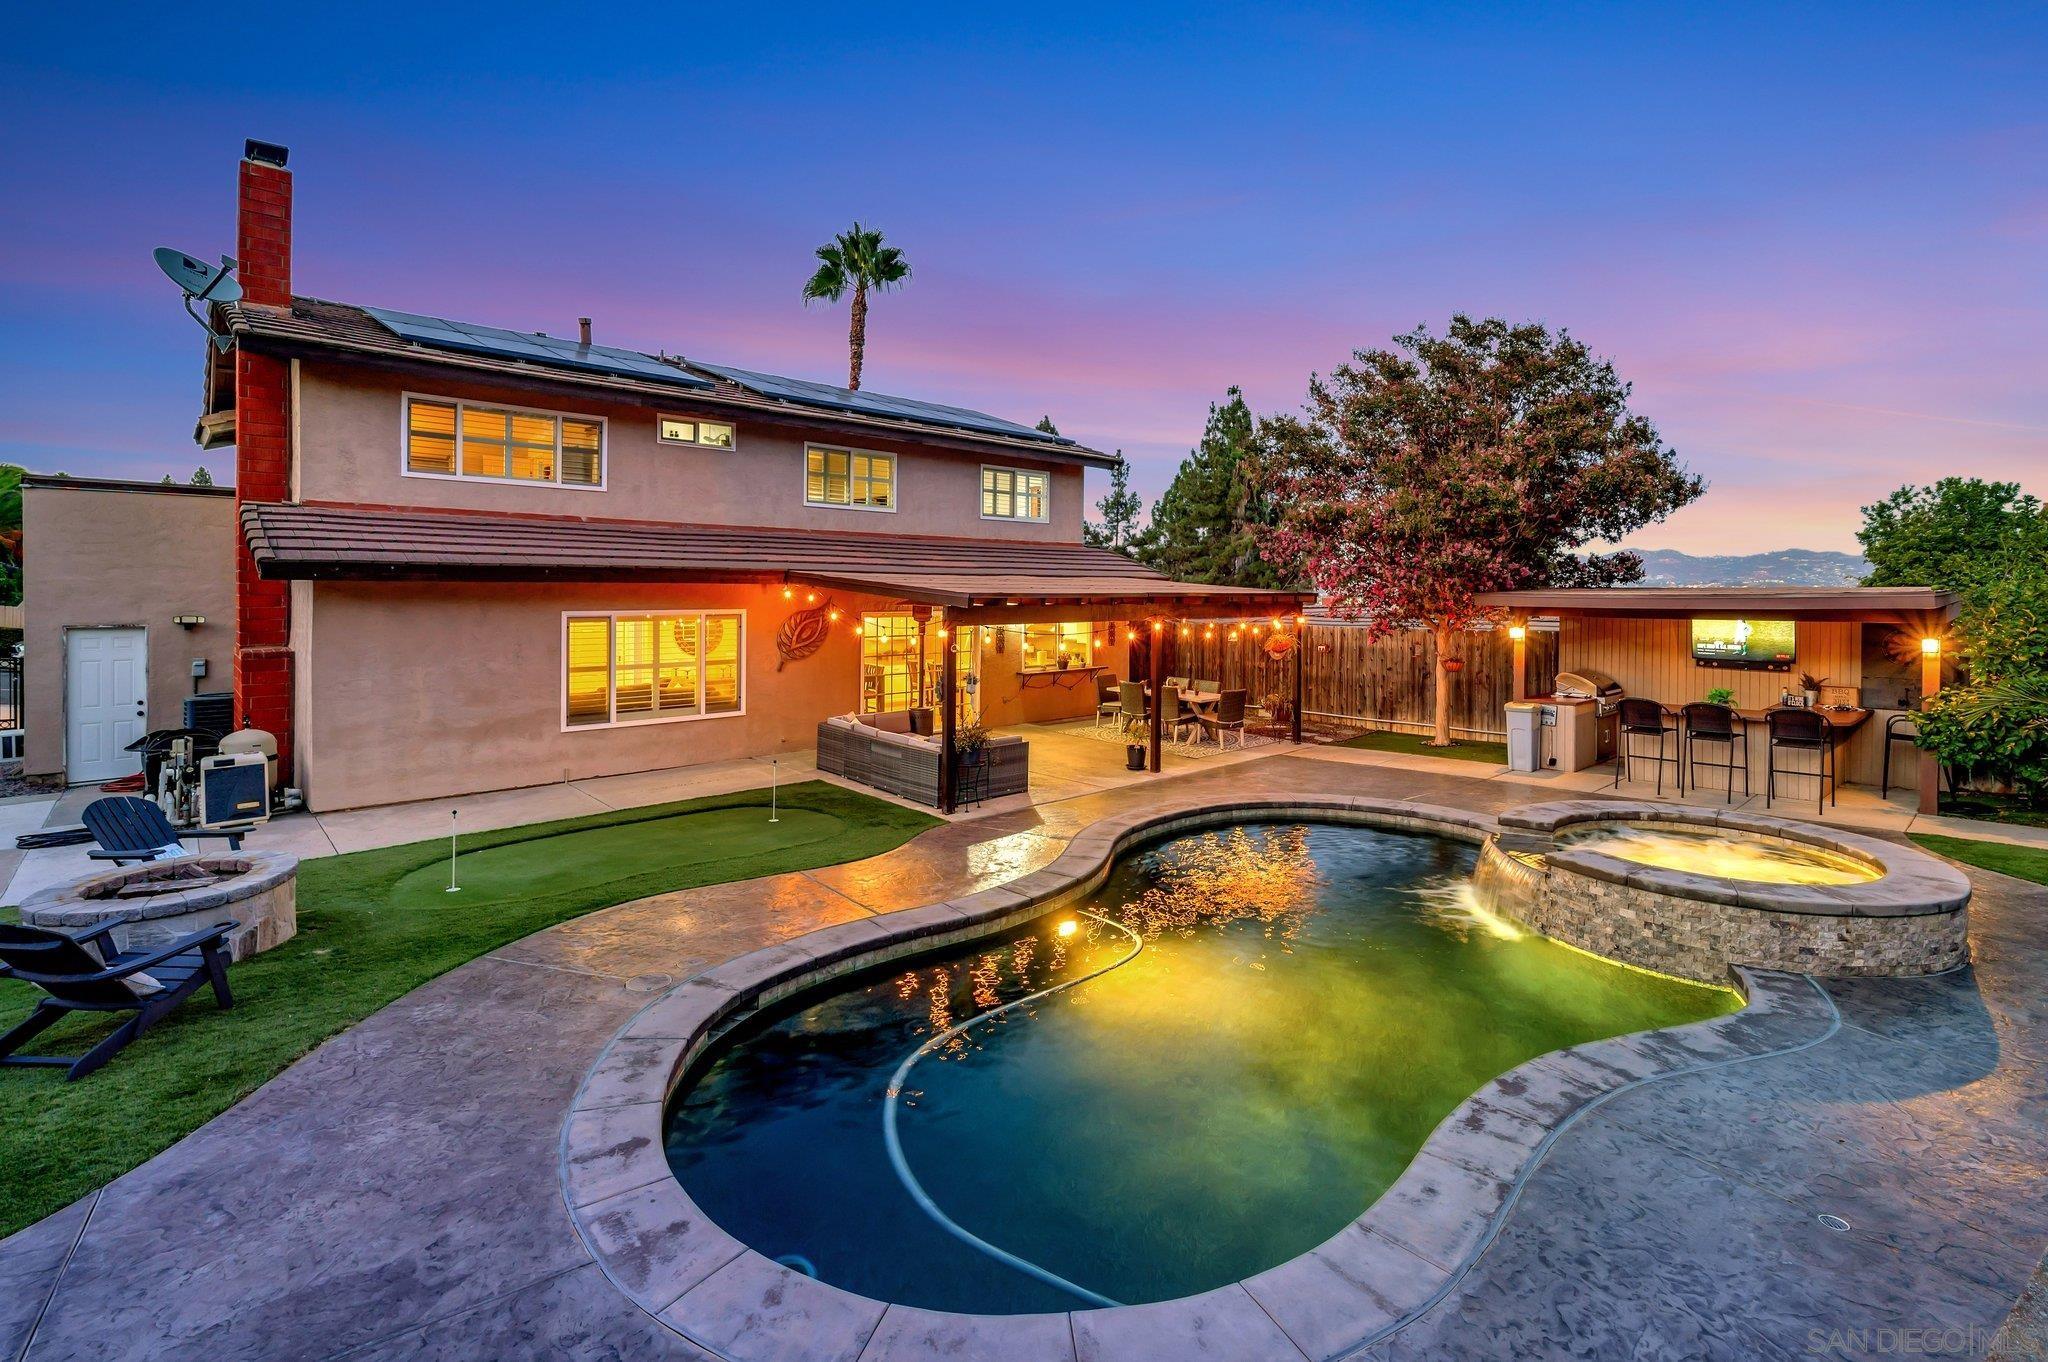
[259, 891]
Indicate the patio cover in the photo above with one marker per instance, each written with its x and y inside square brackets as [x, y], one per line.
[1915, 607]
[977, 581]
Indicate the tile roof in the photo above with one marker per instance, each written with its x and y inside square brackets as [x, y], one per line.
[320, 541]
[320, 325]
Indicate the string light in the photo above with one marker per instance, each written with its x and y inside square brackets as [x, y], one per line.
[810, 598]
[1183, 631]
[788, 595]
[1209, 632]
[832, 615]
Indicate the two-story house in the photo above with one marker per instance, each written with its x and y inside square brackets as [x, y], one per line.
[474, 559]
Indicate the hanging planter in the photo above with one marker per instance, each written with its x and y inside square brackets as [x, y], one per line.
[1454, 664]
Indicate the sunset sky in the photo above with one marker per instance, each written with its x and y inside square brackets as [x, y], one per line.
[1812, 237]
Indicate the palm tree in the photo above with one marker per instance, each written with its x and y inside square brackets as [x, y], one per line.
[859, 261]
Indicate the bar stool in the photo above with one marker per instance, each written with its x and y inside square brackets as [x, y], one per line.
[1903, 728]
[1642, 718]
[1705, 722]
[1802, 730]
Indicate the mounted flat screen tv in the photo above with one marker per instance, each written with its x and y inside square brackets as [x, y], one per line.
[1758, 645]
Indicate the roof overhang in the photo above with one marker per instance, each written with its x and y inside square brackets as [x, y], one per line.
[977, 581]
[1910, 606]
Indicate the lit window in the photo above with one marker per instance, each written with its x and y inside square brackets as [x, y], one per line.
[622, 669]
[849, 477]
[1048, 647]
[1012, 494]
[459, 440]
[680, 430]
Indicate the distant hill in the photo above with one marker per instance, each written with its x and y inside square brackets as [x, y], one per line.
[1782, 567]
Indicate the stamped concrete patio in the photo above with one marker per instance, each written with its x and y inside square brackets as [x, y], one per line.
[395, 1193]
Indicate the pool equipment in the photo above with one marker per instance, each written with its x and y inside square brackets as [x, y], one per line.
[895, 1093]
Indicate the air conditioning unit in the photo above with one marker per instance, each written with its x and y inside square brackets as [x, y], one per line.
[234, 789]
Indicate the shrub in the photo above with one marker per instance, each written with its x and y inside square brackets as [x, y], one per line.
[1994, 728]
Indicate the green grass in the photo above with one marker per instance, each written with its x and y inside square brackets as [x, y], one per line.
[2024, 863]
[374, 925]
[1415, 745]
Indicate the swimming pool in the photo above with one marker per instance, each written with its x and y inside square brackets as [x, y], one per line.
[1309, 1002]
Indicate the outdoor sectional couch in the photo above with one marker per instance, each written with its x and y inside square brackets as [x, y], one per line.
[898, 753]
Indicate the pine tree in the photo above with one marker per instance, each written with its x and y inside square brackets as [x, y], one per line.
[1119, 509]
[1045, 424]
[1209, 524]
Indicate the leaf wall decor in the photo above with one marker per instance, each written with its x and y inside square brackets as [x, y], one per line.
[803, 633]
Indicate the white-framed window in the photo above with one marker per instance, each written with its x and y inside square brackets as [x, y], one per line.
[1046, 645]
[446, 437]
[853, 478]
[1012, 494]
[637, 668]
[688, 430]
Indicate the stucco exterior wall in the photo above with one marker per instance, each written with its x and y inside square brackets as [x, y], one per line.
[430, 690]
[132, 556]
[350, 450]
[426, 690]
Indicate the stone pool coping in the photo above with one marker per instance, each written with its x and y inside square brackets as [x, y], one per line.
[1397, 1260]
[1910, 884]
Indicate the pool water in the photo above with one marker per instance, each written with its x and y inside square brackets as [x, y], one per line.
[1310, 1001]
[1728, 855]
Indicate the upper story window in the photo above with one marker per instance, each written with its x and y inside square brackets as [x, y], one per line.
[453, 439]
[684, 430]
[1012, 494]
[849, 477]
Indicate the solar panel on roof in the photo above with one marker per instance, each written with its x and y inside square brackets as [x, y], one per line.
[491, 340]
[874, 404]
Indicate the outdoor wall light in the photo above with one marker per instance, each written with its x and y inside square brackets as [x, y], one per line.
[188, 621]
[1517, 632]
[1931, 646]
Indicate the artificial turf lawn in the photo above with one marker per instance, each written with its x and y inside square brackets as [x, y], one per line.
[2025, 863]
[374, 925]
[1416, 745]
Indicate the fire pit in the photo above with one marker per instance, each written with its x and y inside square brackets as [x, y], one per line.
[160, 901]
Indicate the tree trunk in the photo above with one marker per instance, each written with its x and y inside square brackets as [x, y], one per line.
[857, 336]
[1443, 689]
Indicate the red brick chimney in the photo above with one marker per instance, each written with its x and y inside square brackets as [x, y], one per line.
[263, 248]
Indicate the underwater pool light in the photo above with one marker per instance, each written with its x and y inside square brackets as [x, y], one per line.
[1069, 927]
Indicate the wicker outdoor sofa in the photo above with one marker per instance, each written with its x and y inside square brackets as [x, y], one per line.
[898, 754]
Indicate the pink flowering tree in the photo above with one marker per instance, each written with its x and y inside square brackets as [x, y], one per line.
[1419, 478]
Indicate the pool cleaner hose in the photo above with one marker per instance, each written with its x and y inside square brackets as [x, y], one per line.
[895, 1143]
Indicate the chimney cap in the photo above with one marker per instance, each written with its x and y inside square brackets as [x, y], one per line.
[269, 153]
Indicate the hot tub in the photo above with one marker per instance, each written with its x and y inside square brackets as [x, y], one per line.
[1692, 891]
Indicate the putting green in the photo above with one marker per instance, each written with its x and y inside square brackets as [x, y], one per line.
[589, 858]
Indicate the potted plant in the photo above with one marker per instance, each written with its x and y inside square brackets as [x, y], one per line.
[1137, 742]
[1811, 684]
[1721, 695]
[970, 744]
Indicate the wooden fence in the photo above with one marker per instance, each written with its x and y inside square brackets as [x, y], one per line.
[1385, 684]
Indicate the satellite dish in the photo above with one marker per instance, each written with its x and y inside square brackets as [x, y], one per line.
[202, 284]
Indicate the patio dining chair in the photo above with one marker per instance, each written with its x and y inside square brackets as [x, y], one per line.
[1109, 698]
[1711, 723]
[1228, 718]
[84, 973]
[1131, 704]
[1642, 718]
[1801, 730]
[1176, 716]
[1211, 687]
[1179, 683]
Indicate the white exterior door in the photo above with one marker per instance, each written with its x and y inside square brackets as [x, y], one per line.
[105, 702]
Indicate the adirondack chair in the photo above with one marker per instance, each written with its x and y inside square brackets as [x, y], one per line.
[85, 973]
[131, 829]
